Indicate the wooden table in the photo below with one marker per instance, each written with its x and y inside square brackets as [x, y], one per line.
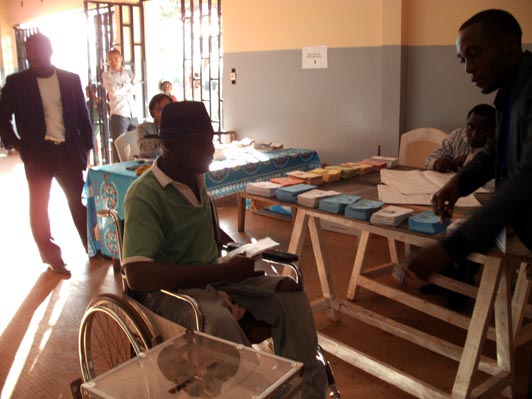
[493, 295]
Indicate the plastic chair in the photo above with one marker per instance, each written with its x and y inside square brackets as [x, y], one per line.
[126, 146]
[417, 144]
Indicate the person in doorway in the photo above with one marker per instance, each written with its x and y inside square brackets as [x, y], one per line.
[170, 243]
[119, 84]
[489, 45]
[461, 145]
[166, 88]
[147, 132]
[54, 139]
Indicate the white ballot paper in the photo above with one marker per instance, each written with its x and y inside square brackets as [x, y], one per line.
[251, 249]
[416, 187]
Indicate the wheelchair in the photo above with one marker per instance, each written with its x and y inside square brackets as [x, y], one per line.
[117, 328]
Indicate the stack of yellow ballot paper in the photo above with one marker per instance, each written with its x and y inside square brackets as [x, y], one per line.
[345, 172]
[327, 174]
[309, 178]
[360, 168]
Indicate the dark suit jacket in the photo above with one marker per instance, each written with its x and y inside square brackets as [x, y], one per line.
[512, 203]
[21, 98]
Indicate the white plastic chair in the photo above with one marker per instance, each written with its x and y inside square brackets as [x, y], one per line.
[417, 144]
[126, 146]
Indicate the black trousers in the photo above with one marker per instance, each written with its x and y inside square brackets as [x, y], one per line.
[52, 161]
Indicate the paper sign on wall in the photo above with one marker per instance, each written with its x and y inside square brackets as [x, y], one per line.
[314, 57]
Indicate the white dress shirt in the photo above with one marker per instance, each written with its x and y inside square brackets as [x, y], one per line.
[119, 85]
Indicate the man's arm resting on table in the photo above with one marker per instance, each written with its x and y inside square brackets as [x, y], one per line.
[150, 276]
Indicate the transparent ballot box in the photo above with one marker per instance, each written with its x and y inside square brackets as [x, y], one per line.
[196, 365]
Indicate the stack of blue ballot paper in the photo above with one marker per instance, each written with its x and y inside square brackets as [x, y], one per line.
[338, 203]
[363, 209]
[426, 222]
[290, 193]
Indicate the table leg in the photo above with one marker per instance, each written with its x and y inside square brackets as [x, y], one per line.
[520, 299]
[360, 257]
[503, 323]
[478, 325]
[298, 233]
[241, 211]
[324, 272]
[394, 255]
[408, 250]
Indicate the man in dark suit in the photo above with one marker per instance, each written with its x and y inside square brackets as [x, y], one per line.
[54, 136]
[489, 45]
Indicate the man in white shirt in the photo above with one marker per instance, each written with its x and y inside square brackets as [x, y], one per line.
[119, 83]
[53, 137]
[461, 145]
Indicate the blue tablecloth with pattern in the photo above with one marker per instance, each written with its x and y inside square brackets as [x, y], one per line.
[106, 186]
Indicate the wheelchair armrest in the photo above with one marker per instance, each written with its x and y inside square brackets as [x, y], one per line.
[193, 304]
[283, 258]
[280, 256]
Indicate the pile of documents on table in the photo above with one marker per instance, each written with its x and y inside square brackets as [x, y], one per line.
[308, 177]
[426, 222]
[345, 172]
[287, 181]
[415, 187]
[391, 216]
[391, 162]
[262, 188]
[328, 175]
[266, 146]
[290, 193]
[337, 204]
[360, 168]
[362, 209]
[312, 198]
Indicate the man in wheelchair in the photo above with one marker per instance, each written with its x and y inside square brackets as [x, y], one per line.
[170, 243]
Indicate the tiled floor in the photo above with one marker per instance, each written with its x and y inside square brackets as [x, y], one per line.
[40, 313]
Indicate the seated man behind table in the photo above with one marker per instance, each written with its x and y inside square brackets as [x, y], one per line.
[169, 243]
[150, 147]
[461, 145]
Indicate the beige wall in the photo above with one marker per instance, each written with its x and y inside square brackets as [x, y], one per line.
[32, 9]
[257, 25]
[13, 13]
[435, 22]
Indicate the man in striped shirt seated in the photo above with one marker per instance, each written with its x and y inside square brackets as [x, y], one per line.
[461, 145]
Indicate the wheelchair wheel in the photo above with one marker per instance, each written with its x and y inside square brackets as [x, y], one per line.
[111, 333]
